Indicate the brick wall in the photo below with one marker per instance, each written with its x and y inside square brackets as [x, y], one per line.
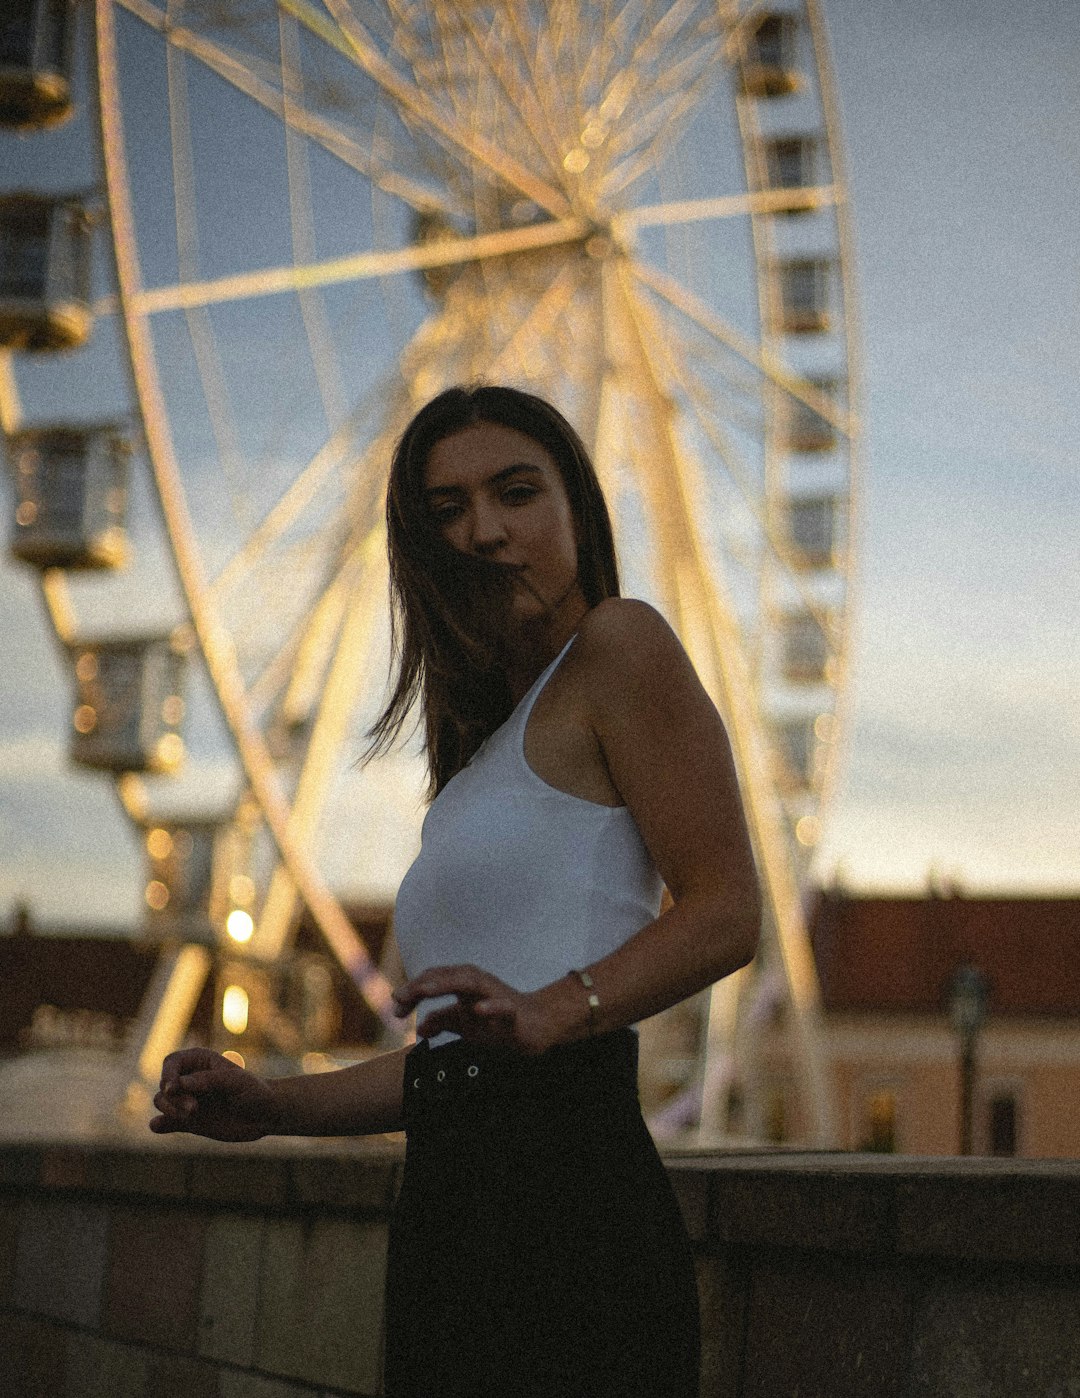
[256, 1272]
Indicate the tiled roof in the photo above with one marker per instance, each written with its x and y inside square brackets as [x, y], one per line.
[893, 953]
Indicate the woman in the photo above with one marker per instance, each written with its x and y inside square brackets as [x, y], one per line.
[576, 766]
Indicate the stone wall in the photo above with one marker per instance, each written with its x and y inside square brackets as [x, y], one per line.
[179, 1270]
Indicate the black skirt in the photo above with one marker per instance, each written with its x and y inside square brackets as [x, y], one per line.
[536, 1248]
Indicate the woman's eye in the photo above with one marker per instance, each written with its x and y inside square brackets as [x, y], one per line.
[519, 494]
[443, 514]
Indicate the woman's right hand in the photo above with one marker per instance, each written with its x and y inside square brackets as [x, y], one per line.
[209, 1095]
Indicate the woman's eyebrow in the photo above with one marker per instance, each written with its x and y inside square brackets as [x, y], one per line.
[496, 479]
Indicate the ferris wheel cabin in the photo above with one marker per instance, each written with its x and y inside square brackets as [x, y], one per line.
[811, 528]
[35, 63]
[769, 58]
[796, 743]
[805, 284]
[70, 495]
[791, 162]
[805, 649]
[44, 272]
[802, 428]
[180, 889]
[129, 705]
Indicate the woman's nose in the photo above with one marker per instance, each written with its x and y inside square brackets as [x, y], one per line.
[488, 529]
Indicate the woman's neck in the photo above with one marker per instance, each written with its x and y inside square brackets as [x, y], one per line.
[536, 644]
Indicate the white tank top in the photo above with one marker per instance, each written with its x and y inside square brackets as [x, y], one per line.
[517, 877]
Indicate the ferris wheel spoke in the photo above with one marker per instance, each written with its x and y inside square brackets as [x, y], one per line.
[229, 66]
[766, 201]
[768, 363]
[364, 266]
[10, 403]
[610, 36]
[740, 25]
[301, 225]
[673, 96]
[484, 153]
[703, 406]
[520, 98]
[308, 677]
[653, 48]
[200, 330]
[538, 322]
[554, 113]
[286, 511]
[333, 699]
[267, 688]
[674, 376]
[309, 480]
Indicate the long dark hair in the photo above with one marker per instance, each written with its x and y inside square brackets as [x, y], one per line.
[445, 604]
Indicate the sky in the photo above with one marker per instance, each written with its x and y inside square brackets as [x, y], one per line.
[962, 758]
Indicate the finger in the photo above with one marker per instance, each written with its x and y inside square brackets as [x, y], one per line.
[184, 1061]
[468, 981]
[209, 1079]
[495, 1009]
[162, 1125]
[452, 1019]
[188, 1060]
[438, 1022]
[180, 1104]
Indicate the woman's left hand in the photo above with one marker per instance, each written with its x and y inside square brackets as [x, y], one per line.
[488, 1011]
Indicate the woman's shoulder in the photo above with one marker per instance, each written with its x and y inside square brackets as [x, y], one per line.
[628, 633]
[639, 689]
[625, 646]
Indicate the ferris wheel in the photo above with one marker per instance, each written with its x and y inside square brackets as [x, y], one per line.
[310, 218]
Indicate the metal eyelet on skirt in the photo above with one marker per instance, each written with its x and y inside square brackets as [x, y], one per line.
[473, 1070]
[441, 1074]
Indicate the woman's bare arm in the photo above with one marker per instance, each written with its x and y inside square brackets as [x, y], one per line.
[669, 757]
[208, 1095]
[362, 1100]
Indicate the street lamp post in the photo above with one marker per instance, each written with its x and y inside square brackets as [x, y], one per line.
[967, 1011]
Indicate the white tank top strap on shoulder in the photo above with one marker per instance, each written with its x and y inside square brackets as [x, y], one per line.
[518, 877]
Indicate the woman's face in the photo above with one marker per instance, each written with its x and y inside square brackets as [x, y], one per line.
[495, 493]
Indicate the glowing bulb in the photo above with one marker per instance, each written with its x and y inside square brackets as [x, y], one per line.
[157, 895]
[86, 667]
[26, 513]
[85, 719]
[806, 831]
[239, 925]
[170, 750]
[159, 843]
[234, 1009]
[235, 1057]
[576, 161]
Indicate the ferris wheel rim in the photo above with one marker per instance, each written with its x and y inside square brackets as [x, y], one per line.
[562, 227]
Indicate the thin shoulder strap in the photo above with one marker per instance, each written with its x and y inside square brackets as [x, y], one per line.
[539, 683]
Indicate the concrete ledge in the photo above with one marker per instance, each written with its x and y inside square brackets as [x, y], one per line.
[179, 1267]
